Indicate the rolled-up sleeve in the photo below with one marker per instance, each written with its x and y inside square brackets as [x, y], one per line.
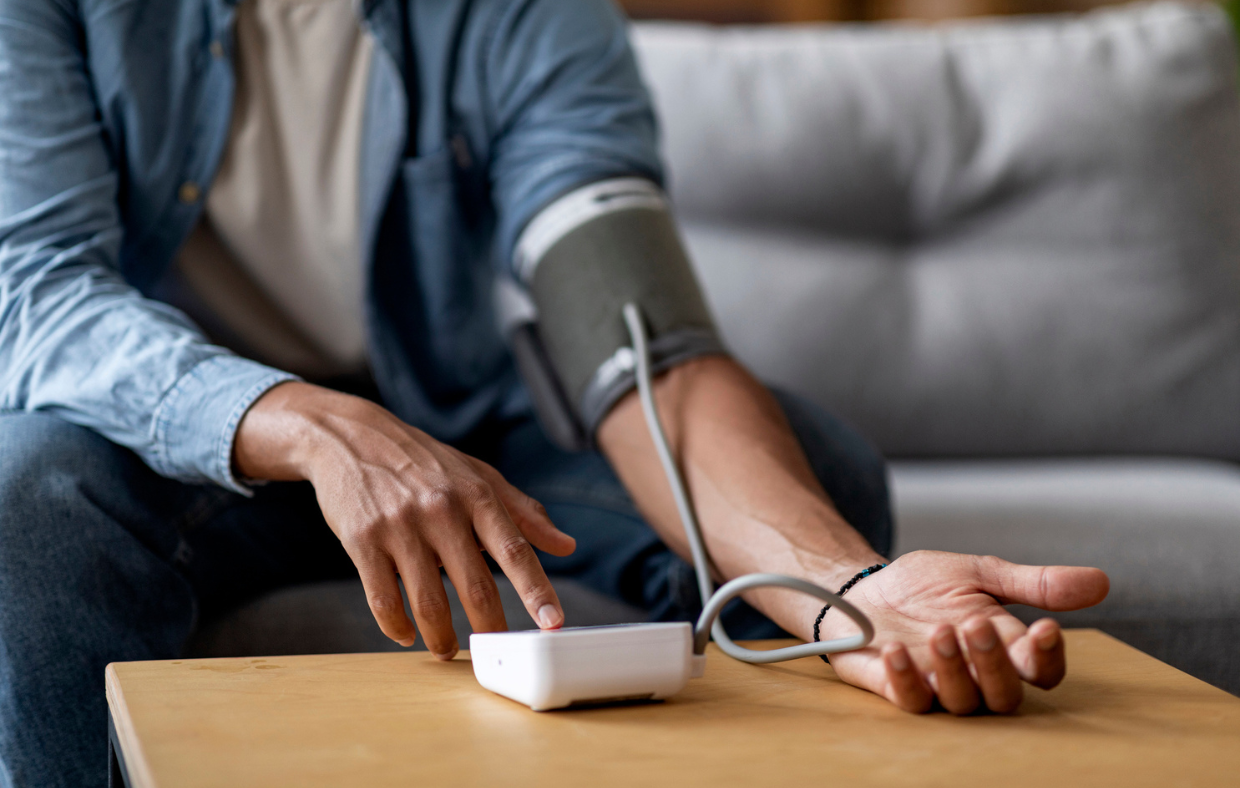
[76, 340]
[569, 106]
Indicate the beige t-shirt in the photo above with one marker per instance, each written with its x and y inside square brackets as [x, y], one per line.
[277, 256]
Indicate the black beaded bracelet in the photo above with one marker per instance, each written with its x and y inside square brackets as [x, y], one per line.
[864, 573]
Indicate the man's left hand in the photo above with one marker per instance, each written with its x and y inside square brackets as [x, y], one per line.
[942, 632]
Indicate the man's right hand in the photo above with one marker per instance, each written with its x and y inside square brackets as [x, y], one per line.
[405, 504]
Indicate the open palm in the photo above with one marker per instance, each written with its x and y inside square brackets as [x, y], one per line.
[943, 633]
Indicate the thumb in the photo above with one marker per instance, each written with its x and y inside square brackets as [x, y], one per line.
[1045, 587]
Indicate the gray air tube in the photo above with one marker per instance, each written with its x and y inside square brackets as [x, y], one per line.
[708, 623]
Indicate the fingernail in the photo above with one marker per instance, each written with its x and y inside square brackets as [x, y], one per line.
[946, 646]
[447, 655]
[548, 617]
[1048, 639]
[899, 660]
[407, 642]
[983, 638]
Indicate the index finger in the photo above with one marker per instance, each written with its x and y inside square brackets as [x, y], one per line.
[512, 551]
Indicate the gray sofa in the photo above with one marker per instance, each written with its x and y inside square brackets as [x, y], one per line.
[1009, 252]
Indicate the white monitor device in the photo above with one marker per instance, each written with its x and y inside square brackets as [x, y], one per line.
[585, 666]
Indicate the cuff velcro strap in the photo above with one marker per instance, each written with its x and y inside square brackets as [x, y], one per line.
[618, 375]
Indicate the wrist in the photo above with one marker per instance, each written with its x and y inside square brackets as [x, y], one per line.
[828, 551]
[840, 568]
[283, 436]
[827, 562]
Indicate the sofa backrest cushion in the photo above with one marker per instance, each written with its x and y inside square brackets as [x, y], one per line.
[986, 238]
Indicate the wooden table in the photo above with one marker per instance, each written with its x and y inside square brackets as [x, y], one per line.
[1121, 718]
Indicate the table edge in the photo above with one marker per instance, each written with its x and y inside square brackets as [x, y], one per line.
[139, 771]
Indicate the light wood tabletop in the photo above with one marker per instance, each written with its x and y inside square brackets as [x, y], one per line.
[1120, 718]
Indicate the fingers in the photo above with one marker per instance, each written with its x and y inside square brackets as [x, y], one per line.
[528, 514]
[905, 686]
[1047, 587]
[990, 677]
[512, 551]
[475, 586]
[420, 573]
[383, 595]
[448, 539]
[993, 670]
[1009, 627]
[952, 681]
[1040, 656]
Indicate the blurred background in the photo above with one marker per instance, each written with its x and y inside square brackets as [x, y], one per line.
[734, 11]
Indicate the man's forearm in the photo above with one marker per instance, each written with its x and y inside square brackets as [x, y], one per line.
[761, 507]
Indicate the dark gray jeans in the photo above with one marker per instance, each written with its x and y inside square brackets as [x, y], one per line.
[102, 560]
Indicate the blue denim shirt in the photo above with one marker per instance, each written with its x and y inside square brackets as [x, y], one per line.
[113, 117]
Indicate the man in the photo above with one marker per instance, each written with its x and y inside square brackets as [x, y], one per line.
[335, 190]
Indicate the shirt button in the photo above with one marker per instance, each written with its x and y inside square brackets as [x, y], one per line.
[217, 49]
[189, 193]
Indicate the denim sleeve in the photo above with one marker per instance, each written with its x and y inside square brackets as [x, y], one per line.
[76, 340]
[568, 103]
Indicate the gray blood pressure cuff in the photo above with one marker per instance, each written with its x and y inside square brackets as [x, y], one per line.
[578, 263]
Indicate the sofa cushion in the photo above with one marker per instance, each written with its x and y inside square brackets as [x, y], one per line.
[992, 238]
